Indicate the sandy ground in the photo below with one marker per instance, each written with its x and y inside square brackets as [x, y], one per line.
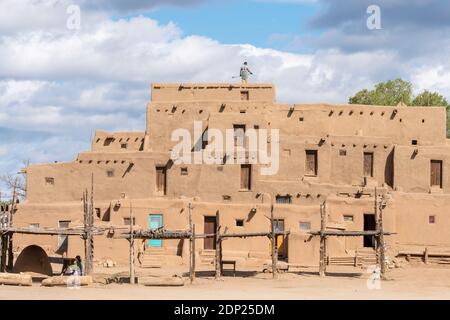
[410, 282]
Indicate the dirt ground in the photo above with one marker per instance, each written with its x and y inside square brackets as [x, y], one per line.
[410, 282]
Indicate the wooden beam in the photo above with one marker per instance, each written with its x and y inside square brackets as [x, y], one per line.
[344, 233]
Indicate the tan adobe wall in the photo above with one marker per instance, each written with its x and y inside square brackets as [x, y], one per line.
[178, 92]
[117, 141]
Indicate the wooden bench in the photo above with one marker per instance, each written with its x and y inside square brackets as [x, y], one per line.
[229, 262]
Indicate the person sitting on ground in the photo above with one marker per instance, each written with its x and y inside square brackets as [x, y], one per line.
[72, 269]
[79, 264]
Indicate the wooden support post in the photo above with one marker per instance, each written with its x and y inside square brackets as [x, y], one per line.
[382, 244]
[377, 223]
[218, 248]
[9, 237]
[3, 243]
[88, 225]
[322, 266]
[425, 256]
[273, 244]
[192, 253]
[132, 270]
[191, 246]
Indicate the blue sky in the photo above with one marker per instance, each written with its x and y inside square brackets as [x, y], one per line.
[58, 84]
[235, 21]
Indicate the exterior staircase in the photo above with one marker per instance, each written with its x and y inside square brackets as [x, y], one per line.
[207, 257]
[157, 257]
[363, 258]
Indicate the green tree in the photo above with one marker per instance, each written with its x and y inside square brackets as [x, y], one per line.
[430, 99]
[389, 93]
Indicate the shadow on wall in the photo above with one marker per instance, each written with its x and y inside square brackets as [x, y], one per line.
[33, 259]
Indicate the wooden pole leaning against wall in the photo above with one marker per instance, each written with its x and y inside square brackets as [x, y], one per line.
[273, 245]
[9, 237]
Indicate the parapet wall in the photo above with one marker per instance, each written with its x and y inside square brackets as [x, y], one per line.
[212, 92]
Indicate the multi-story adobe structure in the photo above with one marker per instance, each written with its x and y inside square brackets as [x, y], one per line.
[336, 154]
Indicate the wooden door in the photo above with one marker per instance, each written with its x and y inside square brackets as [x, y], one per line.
[436, 173]
[368, 164]
[369, 225]
[210, 228]
[311, 163]
[155, 221]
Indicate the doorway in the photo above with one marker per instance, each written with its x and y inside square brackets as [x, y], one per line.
[369, 225]
[280, 240]
[210, 228]
[155, 221]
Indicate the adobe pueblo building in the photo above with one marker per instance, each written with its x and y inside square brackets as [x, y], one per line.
[333, 154]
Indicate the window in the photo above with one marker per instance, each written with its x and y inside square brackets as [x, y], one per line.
[432, 219]
[348, 218]
[110, 173]
[287, 199]
[49, 181]
[184, 171]
[63, 240]
[414, 142]
[311, 163]
[245, 95]
[246, 177]
[126, 221]
[305, 226]
[368, 164]
[436, 173]
[124, 145]
[342, 152]
[108, 141]
[239, 223]
[161, 180]
[239, 134]
[34, 225]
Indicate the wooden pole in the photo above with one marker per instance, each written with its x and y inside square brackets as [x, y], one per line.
[132, 271]
[191, 246]
[274, 245]
[193, 255]
[382, 244]
[88, 225]
[218, 247]
[322, 266]
[9, 237]
[2, 253]
[377, 237]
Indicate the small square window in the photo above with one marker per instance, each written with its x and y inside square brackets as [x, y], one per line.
[349, 218]
[284, 199]
[184, 171]
[245, 95]
[301, 119]
[126, 221]
[432, 219]
[342, 152]
[124, 145]
[49, 181]
[305, 226]
[110, 173]
[239, 223]
[34, 225]
[414, 142]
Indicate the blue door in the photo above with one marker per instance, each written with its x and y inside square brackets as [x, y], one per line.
[155, 221]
